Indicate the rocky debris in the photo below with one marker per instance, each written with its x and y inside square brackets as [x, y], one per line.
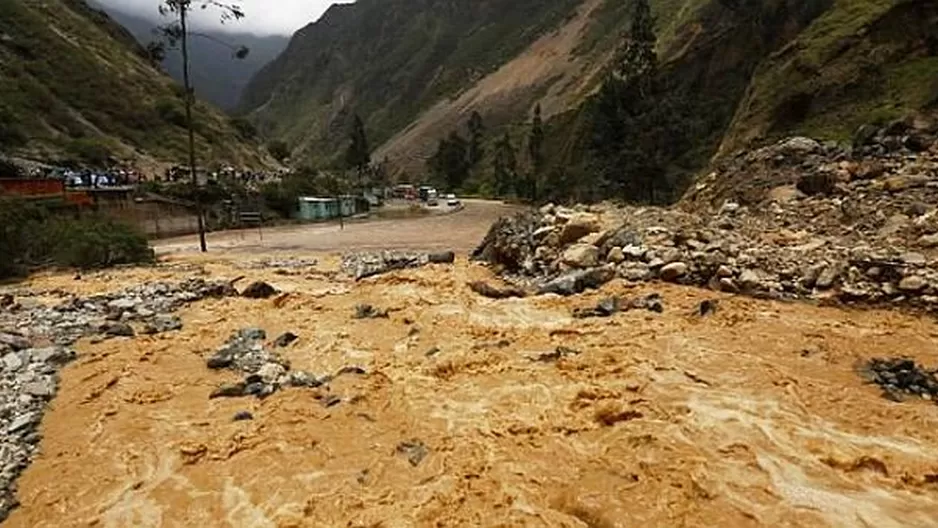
[651, 302]
[114, 329]
[861, 232]
[28, 380]
[707, 307]
[559, 353]
[576, 282]
[581, 256]
[6, 300]
[241, 416]
[285, 339]
[29, 376]
[265, 372]
[162, 323]
[259, 290]
[330, 400]
[367, 311]
[364, 265]
[605, 308]
[577, 226]
[14, 341]
[414, 451]
[673, 271]
[284, 263]
[228, 390]
[511, 241]
[613, 305]
[901, 377]
[443, 257]
[243, 351]
[486, 289]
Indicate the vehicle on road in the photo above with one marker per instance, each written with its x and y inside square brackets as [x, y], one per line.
[432, 198]
[452, 201]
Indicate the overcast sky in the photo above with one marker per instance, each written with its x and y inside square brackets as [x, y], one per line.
[264, 17]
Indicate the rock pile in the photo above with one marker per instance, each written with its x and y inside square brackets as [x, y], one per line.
[901, 378]
[34, 345]
[369, 264]
[264, 371]
[870, 240]
[28, 380]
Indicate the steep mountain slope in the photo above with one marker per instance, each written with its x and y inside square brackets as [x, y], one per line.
[75, 85]
[217, 76]
[742, 72]
[388, 60]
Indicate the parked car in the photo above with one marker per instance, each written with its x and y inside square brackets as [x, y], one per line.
[432, 199]
[452, 201]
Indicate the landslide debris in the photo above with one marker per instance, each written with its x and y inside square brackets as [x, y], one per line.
[869, 238]
[361, 265]
[901, 378]
[264, 370]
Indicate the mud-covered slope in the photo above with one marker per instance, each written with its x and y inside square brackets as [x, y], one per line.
[75, 85]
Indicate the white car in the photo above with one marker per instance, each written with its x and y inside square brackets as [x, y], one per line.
[451, 200]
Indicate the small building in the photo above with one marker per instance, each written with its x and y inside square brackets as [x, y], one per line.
[316, 208]
[312, 208]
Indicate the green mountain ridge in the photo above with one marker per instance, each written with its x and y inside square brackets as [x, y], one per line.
[746, 72]
[74, 85]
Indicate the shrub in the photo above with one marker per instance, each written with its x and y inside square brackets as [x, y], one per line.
[245, 128]
[279, 150]
[91, 151]
[32, 235]
[171, 111]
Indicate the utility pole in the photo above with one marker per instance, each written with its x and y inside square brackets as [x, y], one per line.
[183, 10]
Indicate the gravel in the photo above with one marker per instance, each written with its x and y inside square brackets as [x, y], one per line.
[29, 372]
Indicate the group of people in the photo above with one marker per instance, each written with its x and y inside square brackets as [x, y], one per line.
[180, 173]
[114, 177]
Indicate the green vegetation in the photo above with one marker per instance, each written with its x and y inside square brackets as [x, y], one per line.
[389, 60]
[279, 150]
[32, 235]
[67, 73]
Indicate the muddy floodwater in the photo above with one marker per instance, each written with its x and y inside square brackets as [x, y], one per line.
[467, 415]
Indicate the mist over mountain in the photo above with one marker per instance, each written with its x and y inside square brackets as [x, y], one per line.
[218, 77]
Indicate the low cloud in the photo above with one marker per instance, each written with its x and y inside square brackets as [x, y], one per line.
[263, 17]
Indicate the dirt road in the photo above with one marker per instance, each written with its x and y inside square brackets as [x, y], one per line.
[458, 231]
[750, 417]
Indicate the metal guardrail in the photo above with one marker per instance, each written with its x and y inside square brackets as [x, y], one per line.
[250, 218]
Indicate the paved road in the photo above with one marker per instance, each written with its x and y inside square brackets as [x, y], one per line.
[460, 231]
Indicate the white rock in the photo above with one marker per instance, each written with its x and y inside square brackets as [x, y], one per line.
[912, 284]
[914, 259]
[615, 255]
[271, 372]
[928, 241]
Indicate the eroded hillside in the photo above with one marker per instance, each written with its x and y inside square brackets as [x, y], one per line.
[745, 72]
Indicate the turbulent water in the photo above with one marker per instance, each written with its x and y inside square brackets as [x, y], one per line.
[751, 416]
